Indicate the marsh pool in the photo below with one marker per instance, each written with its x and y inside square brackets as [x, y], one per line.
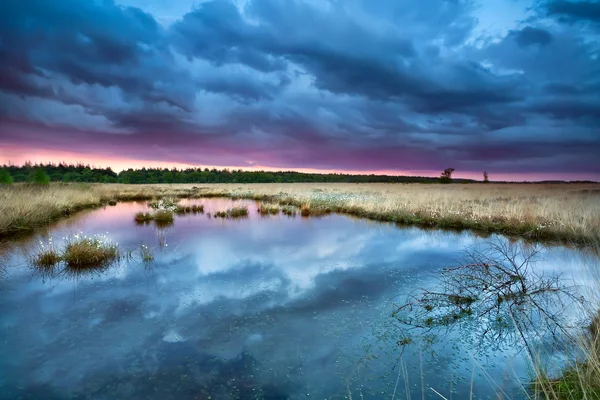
[270, 307]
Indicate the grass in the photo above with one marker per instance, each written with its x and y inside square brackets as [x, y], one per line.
[167, 203]
[161, 217]
[194, 208]
[142, 217]
[90, 252]
[290, 211]
[235, 212]
[78, 252]
[143, 254]
[580, 379]
[569, 213]
[268, 209]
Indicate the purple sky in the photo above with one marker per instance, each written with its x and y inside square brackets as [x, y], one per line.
[507, 86]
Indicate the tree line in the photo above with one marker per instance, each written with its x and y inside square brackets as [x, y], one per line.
[45, 173]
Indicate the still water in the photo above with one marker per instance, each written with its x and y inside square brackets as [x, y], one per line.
[257, 308]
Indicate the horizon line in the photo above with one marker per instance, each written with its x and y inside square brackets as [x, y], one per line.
[316, 171]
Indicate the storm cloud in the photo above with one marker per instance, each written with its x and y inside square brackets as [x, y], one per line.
[354, 85]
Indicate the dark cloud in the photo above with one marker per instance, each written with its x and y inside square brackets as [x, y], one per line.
[78, 40]
[575, 10]
[529, 36]
[323, 84]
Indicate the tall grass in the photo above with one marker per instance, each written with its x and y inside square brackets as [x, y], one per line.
[556, 212]
[234, 212]
[90, 252]
[79, 251]
[564, 212]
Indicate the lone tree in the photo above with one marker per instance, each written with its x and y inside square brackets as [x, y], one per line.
[5, 178]
[39, 176]
[485, 177]
[446, 176]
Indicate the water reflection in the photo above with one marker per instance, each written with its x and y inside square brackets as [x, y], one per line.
[273, 307]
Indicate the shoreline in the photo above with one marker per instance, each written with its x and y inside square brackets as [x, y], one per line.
[27, 207]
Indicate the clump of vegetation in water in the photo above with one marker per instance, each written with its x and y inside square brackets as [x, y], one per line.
[305, 210]
[142, 217]
[309, 209]
[143, 254]
[290, 211]
[46, 256]
[112, 202]
[268, 209]
[146, 254]
[194, 209]
[90, 252]
[162, 218]
[167, 203]
[235, 212]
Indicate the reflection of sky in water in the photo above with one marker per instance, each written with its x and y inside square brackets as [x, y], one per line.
[271, 307]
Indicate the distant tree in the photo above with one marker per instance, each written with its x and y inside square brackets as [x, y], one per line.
[5, 177]
[485, 177]
[446, 176]
[39, 176]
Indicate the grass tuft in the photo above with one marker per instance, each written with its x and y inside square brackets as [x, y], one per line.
[46, 256]
[235, 212]
[90, 252]
[142, 217]
[268, 209]
[290, 211]
[194, 209]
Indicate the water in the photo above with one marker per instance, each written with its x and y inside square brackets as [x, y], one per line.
[258, 308]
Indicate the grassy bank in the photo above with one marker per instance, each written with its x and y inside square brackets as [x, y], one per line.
[563, 212]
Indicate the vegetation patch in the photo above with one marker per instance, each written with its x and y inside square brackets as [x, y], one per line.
[142, 217]
[234, 212]
[90, 252]
[315, 210]
[290, 211]
[166, 203]
[143, 254]
[581, 379]
[46, 256]
[268, 209]
[193, 209]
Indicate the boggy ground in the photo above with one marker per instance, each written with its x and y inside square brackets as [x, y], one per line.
[568, 213]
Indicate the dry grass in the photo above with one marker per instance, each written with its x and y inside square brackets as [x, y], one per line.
[581, 379]
[90, 252]
[268, 209]
[194, 209]
[565, 212]
[235, 212]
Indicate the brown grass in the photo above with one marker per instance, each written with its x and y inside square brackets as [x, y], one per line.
[89, 252]
[581, 378]
[565, 212]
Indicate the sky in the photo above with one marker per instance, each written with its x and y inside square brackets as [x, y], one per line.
[389, 86]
